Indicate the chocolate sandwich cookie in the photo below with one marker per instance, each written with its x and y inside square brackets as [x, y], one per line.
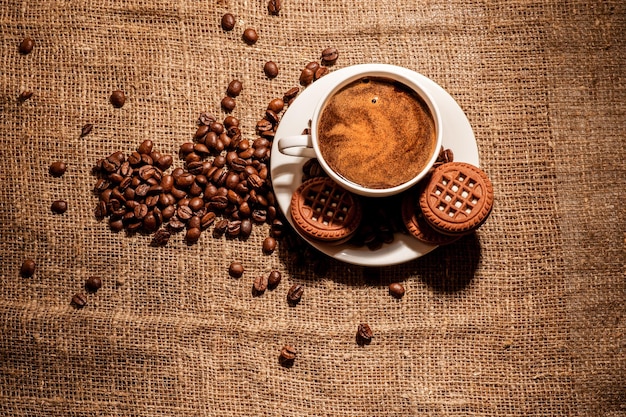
[415, 223]
[323, 211]
[457, 199]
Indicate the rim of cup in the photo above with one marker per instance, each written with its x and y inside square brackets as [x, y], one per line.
[383, 71]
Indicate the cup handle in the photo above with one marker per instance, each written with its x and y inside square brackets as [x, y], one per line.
[300, 145]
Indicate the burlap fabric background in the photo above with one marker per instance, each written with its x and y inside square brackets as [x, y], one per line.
[526, 318]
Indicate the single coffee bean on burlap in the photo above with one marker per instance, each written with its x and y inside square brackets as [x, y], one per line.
[228, 22]
[86, 129]
[276, 105]
[396, 290]
[118, 98]
[273, 279]
[273, 7]
[250, 36]
[236, 269]
[26, 46]
[234, 89]
[25, 95]
[160, 238]
[294, 295]
[260, 285]
[93, 284]
[287, 356]
[59, 207]
[271, 69]
[27, 269]
[329, 56]
[364, 334]
[79, 300]
[228, 104]
[57, 169]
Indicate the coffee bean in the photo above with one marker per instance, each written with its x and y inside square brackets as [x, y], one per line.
[79, 300]
[250, 36]
[273, 7]
[290, 95]
[236, 269]
[313, 66]
[86, 129]
[57, 169]
[320, 72]
[193, 235]
[93, 284]
[329, 56]
[294, 295]
[269, 245]
[161, 237]
[118, 98]
[271, 69]
[59, 207]
[276, 105]
[26, 46]
[306, 77]
[228, 22]
[364, 334]
[287, 356]
[27, 269]
[228, 104]
[145, 148]
[273, 279]
[25, 95]
[260, 285]
[396, 290]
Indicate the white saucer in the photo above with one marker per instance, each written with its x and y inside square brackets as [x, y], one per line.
[286, 171]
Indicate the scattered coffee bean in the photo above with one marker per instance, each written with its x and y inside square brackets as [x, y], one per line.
[320, 72]
[273, 7]
[269, 245]
[193, 234]
[160, 238]
[57, 169]
[273, 279]
[93, 284]
[250, 36]
[228, 104]
[260, 285]
[294, 295]
[228, 22]
[271, 69]
[118, 98]
[236, 269]
[306, 77]
[234, 88]
[26, 46]
[329, 56]
[59, 207]
[27, 269]
[364, 334]
[25, 95]
[79, 300]
[86, 130]
[287, 356]
[290, 95]
[276, 105]
[396, 290]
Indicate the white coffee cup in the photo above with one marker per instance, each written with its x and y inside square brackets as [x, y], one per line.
[308, 145]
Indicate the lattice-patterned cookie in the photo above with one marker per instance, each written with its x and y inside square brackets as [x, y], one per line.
[415, 223]
[457, 199]
[323, 211]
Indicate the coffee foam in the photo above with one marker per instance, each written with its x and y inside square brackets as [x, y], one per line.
[377, 133]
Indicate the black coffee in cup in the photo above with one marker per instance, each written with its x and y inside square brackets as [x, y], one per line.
[376, 132]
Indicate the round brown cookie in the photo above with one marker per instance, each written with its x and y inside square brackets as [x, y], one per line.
[323, 211]
[457, 198]
[415, 223]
